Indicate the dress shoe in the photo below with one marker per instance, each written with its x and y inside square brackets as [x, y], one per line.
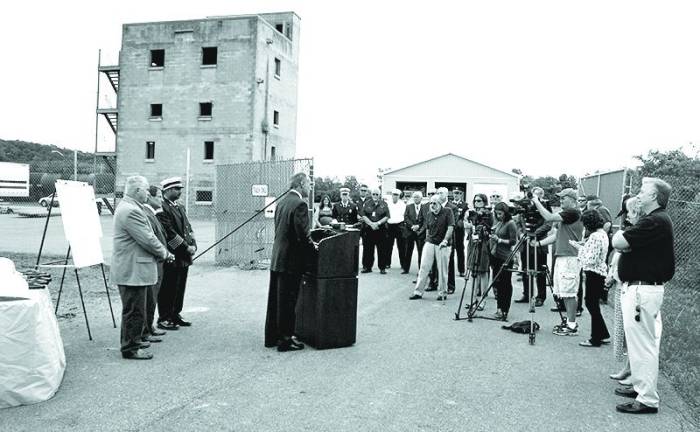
[431, 288]
[143, 345]
[156, 332]
[382, 271]
[415, 297]
[404, 271]
[539, 302]
[605, 341]
[556, 309]
[181, 322]
[450, 290]
[621, 375]
[522, 299]
[441, 298]
[366, 270]
[626, 392]
[289, 345]
[137, 355]
[636, 408]
[167, 325]
[627, 382]
[579, 313]
[152, 339]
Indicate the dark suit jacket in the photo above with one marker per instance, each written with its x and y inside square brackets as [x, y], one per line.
[156, 225]
[293, 249]
[178, 232]
[411, 218]
[460, 210]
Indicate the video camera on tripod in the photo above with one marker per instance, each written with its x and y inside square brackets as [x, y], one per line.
[532, 219]
[482, 224]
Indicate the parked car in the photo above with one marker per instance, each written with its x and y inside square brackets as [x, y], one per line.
[46, 201]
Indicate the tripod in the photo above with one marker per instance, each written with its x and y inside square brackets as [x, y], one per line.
[473, 306]
[475, 264]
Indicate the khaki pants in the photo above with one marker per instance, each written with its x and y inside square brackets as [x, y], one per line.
[433, 253]
[643, 337]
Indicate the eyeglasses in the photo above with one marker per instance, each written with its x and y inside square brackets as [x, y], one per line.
[363, 190]
[344, 193]
[434, 203]
[374, 194]
[495, 196]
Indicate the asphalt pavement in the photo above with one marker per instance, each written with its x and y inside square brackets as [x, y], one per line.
[413, 368]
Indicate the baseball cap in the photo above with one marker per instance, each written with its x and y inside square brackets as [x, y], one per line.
[567, 192]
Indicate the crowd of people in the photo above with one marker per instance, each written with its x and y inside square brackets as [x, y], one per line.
[588, 260]
[154, 245]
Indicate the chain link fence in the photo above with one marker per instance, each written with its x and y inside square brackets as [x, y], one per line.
[680, 343]
[241, 191]
[97, 171]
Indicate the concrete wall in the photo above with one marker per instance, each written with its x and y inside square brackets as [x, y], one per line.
[231, 86]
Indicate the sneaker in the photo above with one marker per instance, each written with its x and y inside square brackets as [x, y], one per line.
[567, 331]
[559, 326]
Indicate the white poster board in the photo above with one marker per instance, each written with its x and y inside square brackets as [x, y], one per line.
[14, 179]
[81, 222]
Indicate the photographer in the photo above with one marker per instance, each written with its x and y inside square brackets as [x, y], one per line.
[478, 226]
[566, 267]
[504, 236]
[531, 221]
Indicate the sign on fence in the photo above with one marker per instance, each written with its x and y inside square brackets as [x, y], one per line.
[14, 179]
[270, 211]
[260, 190]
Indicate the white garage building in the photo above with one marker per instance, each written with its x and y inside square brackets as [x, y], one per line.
[451, 171]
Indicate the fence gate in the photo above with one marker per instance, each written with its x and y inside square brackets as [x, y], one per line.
[242, 190]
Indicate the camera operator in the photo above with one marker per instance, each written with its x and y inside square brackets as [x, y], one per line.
[478, 227]
[566, 267]
[504, 237]
[540, 228]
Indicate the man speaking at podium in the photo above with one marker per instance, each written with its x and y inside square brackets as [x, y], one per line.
[291, 252]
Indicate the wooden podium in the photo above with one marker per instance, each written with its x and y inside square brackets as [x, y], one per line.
[327, 308]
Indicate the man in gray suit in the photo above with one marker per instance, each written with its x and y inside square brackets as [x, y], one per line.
[134, 265]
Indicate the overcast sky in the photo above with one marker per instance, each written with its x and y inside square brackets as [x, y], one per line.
[544, 86]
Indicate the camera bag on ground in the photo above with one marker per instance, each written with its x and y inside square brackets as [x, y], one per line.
[521, 327]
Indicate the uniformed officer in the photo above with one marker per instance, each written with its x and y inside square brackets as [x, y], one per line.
[181, 242]
[346, 211]
[375, 214]
[460, 208]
